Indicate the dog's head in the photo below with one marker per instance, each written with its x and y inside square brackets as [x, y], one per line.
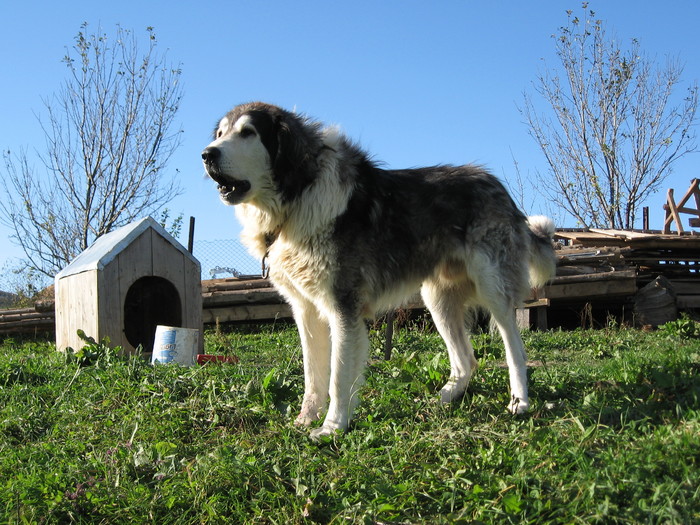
[261, 151]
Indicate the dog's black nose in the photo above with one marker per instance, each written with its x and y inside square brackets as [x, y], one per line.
[211, 155]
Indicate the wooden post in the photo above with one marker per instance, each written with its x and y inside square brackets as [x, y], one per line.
[673, 211]
[645, 218]
[190, 241]
[389, 334]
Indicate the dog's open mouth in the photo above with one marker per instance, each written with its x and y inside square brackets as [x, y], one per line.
[233, 191]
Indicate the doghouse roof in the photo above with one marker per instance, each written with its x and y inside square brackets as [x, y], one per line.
[106, 248]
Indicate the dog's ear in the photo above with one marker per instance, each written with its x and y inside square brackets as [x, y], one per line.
[293, 164]
[286, 157]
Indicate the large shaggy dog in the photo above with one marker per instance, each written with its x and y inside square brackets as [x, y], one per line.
[346, 239]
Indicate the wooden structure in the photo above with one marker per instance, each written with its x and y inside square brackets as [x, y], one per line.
[632, 261]
[648, 254]
[235, 300]
[596, 269]
[28, 320]
[673, 211]
[124, 285]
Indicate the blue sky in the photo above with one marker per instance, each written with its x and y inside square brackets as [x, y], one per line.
[416, 83]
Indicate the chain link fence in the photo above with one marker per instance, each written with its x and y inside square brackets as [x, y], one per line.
[225, 258]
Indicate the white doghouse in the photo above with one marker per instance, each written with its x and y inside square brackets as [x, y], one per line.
[124, 285]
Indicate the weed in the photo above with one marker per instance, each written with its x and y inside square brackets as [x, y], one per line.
[682, 328]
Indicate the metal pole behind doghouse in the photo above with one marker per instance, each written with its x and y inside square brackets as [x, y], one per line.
[190, 241]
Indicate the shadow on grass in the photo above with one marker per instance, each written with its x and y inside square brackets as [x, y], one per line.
[654, 393]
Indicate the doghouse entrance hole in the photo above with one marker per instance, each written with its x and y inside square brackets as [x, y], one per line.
[150, 301]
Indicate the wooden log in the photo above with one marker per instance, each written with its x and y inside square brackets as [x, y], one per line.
[580, 269]
[247, 313]
[20, 315]
[617, 275]
[213, 285]
[578, 291]
[40, 324]
[590, 257]
[233, 297]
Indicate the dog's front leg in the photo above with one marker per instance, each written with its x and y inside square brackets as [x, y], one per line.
[314, 333]
[350, 348]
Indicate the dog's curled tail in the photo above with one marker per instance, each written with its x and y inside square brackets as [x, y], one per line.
[542, 260]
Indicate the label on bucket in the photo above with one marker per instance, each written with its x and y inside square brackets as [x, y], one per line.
[165, 351]
[175, 345]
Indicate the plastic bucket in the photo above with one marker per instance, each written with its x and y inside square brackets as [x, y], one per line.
[173, 344]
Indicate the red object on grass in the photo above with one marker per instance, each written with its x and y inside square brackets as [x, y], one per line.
[203, 359]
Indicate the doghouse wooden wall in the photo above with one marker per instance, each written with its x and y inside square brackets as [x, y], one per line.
[93, 300]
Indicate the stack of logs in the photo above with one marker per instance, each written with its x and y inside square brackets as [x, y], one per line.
[236, 300]
[40, 318]
[650, 254]
[594, 267]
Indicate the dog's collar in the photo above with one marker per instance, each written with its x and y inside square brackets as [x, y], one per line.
[270, 238]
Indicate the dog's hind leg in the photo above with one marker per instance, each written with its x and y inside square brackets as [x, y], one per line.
[446, 302]
[498, 290]
[314, 333]
[350, 349]
[516, 359]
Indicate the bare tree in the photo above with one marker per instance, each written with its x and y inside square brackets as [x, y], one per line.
[109, 134]
[614, 130]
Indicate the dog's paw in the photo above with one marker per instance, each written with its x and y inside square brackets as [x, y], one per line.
[310, 413]
[324, 433]
[518, 406]
[304, 420]
[454, 389]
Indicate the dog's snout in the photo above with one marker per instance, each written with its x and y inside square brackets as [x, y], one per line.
[211, 155]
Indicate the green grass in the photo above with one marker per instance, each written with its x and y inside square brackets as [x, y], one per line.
[613, 435]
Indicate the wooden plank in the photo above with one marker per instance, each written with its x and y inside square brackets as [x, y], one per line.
[193, 299]
[27, 314]
[212, 285]
[579, 269]
[688, 301]
[536, 303]
[169, 263]
[692, 190]
[589, 290]
[581, 252]
[529, 318]
[44, 324]
[578, 236]
[270, 295]
[626, 274]
[110, 304]
[136, 260]
[247, 313]
[76, 308]
[624, 234]
[671, 213]
[685, 287]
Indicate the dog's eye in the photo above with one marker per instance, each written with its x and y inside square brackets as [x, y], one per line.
[247, 132]
[219, 133]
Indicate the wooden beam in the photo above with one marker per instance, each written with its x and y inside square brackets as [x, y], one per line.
[671, 213]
